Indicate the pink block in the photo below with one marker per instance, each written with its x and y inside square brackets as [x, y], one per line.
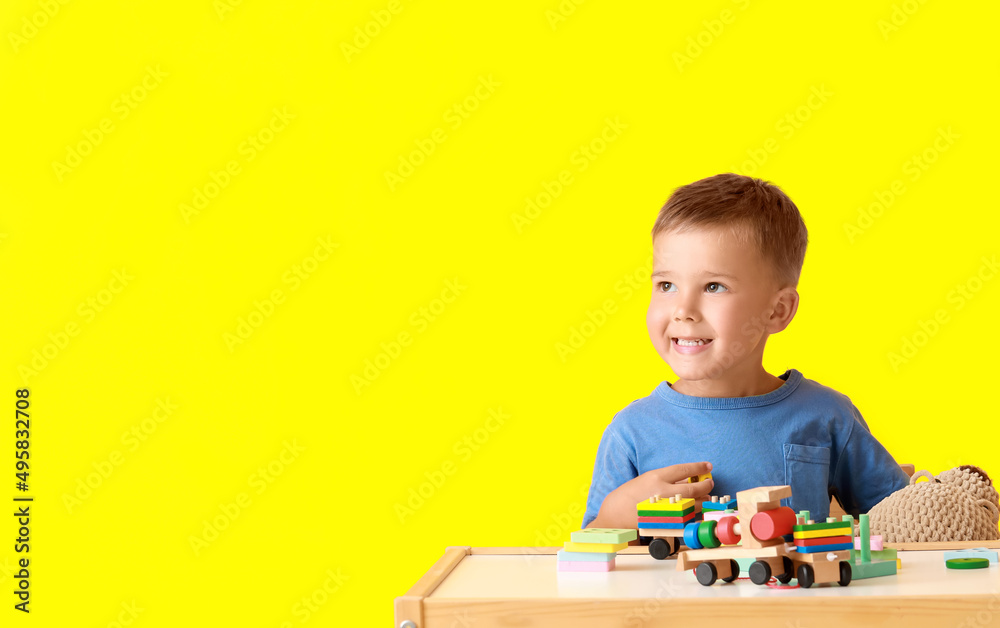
[874, 541]
[577, 565]
[715, 515]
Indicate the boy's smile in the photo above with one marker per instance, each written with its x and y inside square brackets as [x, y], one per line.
[691, 345]
[714, 302]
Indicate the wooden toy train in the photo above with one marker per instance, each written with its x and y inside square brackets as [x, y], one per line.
[820, 552]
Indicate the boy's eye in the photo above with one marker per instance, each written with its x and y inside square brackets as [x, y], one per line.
[716, 287]
[666, 286]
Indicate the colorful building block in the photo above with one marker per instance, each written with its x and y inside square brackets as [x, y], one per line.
[590, 557]
[666, 513]
[772, 523]
[706, 534]
[718, 503]
[826, 540]
[683, 519]
[816, 534]
[648, 525]
[885, 554]
[671, 503]
[604, 535]
[600, 548]
[660, 532]
[715, 515]
[674, 507]
[874, 569]
[572, 565]
[876, 542]
[976, 552]
[822, 554]
[729, 530]
[691, 536]
[864, 535]
[826, 525]
[967, 563]
[753, 501]
[815, 549]
[862, 564]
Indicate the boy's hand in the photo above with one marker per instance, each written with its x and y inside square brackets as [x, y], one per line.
[619, 507]
[669, 481]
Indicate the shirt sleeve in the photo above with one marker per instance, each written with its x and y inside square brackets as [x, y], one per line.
[865, 473]
[615, 465]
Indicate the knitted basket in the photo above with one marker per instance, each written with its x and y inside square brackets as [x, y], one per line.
[960, 504]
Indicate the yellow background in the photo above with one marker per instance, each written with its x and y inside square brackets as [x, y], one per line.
[343, 461]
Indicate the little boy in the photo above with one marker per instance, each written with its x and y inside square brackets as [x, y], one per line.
[727, 253]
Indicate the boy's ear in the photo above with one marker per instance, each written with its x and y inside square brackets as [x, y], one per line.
[786, 303]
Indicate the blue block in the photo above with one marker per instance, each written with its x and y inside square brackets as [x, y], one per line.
[815, 549]
[691, 535]
[718, 505]
[976, 552]
[661, 526]
[584, 556]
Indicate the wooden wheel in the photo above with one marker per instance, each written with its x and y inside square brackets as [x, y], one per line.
[760, 572]
[735, 566]
[805, 576]
[659, 549]
[845, 573]
[706, 573]
[786, 577]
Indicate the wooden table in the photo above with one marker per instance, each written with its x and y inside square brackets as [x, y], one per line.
[520, 586]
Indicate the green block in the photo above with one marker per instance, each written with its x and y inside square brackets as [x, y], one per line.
[666, 513]
[886, 554]
[967, 563]
[810, 527]
[706, 534]
[604, 535]
[848, 520]
[874, 569]
[866, 539]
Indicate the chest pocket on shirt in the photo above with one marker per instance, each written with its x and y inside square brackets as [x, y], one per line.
[807, 471]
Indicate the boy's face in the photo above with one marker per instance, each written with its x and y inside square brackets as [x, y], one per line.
[713, 305]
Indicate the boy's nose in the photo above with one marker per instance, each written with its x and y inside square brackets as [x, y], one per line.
[685, 308]
[684, 313]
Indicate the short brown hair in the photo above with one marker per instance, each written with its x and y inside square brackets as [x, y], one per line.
[757, 211]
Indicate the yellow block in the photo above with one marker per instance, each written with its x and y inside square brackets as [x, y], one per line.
[664, 504]
[598, 548]
[699, 478]
[814, 534]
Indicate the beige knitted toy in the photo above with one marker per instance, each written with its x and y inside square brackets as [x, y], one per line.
[960, 504]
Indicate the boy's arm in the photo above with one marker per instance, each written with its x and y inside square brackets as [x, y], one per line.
[614, 467]
[618, 510]
[865, 472]
[617, 487]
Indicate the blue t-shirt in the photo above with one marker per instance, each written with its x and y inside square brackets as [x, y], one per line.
[802, 434]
